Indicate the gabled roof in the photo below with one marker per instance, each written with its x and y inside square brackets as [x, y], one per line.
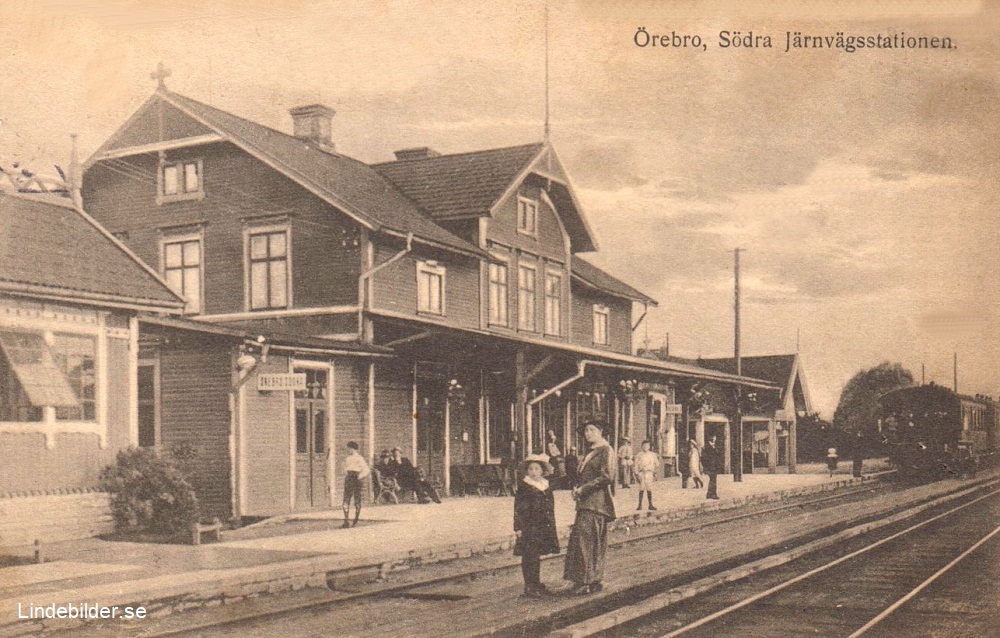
[597, 278]
[472, 184]
[776, 367]
[781, 369]
[462, 184]
[351, 186]
[49, 249]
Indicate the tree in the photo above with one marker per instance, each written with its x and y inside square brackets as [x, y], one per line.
[858, 407]
[814, 436]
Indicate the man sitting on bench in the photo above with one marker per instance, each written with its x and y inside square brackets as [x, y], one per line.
[411, 479]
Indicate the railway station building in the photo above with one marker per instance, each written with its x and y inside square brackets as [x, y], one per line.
[436, 303]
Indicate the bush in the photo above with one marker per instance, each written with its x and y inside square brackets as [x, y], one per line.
[149, 493]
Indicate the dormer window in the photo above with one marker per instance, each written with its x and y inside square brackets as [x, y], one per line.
[527, 216]
[180, 181]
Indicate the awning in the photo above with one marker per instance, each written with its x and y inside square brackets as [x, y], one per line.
[35, 368]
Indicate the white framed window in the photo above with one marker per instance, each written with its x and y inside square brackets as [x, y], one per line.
[601, 314]
[499, 315]
[76, 357]
[553, 303]
[268, 267]
[54, 371]
[180, 180]
[430, 287]
[526, 282]
[527, 216]
[47, 376]
[181, 261]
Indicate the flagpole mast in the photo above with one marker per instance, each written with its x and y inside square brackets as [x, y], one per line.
[546, 130]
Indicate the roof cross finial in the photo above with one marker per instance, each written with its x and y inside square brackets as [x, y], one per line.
[160, 74]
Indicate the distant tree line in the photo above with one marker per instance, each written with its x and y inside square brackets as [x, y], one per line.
[856, 419]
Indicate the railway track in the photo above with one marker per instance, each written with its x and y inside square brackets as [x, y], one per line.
[866, 589]
[453, 583]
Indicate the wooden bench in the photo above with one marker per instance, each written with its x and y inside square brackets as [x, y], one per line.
[482, 480]
[384, 487]
[197, 529]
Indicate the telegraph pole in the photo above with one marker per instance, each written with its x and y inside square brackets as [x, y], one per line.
[738, 466]
[955, 370]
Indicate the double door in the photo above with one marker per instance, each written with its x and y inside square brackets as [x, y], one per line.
[312, 451]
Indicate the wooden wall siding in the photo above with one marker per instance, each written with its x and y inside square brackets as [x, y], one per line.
[396, 287]
[77, 459]
[239, 189]
[467, 229]
[503, 227]
[619, 319]
[145, 129]
[195, 378]
[394, 406]
[351, 409]
[266, 449]
[318, 325]
[620, 325]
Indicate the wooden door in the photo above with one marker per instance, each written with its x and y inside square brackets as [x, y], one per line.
[312, 489]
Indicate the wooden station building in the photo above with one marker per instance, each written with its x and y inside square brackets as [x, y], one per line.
[438, 303]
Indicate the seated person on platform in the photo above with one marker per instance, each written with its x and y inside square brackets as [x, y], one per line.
[385, 465]
[411, 479]
[384, 474]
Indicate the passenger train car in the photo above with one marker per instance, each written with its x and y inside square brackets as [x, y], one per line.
[932, 431]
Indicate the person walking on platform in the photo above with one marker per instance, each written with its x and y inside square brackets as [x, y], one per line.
[646, 464]
[684, 463]
[832, 460]
[694, 463]
[357, 470]
[588, 541]
[625, 463]
[556, 459]
[534, 522]
[711, 460]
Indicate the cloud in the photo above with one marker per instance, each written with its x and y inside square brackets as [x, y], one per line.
[845, 232]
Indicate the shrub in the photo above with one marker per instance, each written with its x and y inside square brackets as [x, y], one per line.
[149, 493]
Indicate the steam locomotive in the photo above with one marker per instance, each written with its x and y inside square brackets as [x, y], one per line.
[933, 432]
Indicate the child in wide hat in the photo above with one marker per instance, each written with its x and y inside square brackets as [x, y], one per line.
[534, 521]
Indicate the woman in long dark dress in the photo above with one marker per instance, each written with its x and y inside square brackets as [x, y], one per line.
[595, 508]
[534, 523]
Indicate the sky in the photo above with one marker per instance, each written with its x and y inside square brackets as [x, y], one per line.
[863, 187]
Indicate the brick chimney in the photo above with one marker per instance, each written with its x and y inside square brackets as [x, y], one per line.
[312, 123]
[420, 152]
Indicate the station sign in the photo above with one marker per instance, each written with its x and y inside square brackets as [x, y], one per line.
[673, 408]
[783, 415]
[289, 382]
